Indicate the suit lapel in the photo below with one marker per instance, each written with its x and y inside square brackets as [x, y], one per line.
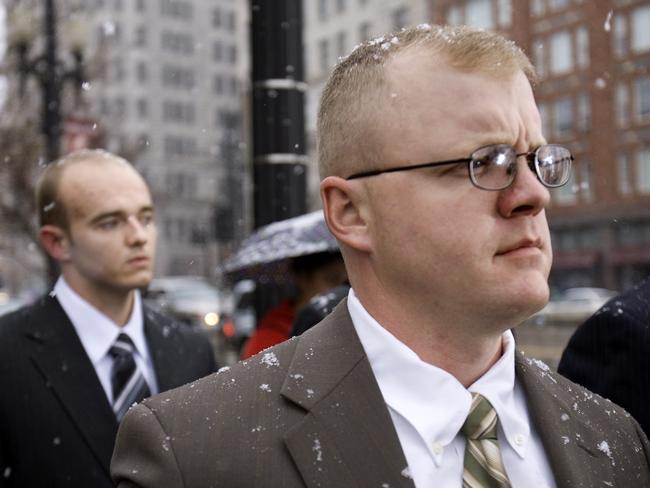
[164, 357]
[60, 358]
[347, 437]
[575, 449]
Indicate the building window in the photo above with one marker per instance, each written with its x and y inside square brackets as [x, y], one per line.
[364, 31]
[232, 54]
[322, 9]
[179, 146]
[234, 86]
[558, 4]
[582, 47]
[640, 31]
[643, 171]
[140, 5]
[340, 6]
[584, 112]
[341, 44]
[622, 104]
[538, 7]
[218, 84]
[231, 21]
[217, 51]
[478, 13]
[642, 97]
[400, 17]
[216, 17]
[143, 108]
[324, 55]
[586, 173]
[561, 59]
[623, 174]
[619, 37]
[177, 77]
[563, 117]
[454, 15]
[142, 72]
[178, 112]
[141, 36]
[505, 12]
[176, 9]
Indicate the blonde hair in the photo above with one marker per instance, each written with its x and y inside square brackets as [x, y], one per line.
[357, 88]
[49, 204]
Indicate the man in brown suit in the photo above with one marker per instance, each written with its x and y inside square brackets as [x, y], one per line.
[434, 181]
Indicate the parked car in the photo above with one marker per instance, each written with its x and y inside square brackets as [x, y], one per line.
[192, 300]
[241, 323]
[573, 305]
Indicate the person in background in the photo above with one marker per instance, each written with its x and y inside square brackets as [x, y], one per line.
[311, 274]
[610, 353]
[434, 180]
[74, 362]
[319, 307]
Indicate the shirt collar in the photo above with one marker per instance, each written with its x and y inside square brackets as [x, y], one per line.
[422, 393]
[96, 331]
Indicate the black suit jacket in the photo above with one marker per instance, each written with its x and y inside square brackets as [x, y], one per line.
[309, 413]
[610, 353]
[57, 428]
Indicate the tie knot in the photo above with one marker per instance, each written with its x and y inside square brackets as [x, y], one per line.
[122, 346]
[481, 422]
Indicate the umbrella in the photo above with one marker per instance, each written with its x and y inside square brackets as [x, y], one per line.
[262, 255]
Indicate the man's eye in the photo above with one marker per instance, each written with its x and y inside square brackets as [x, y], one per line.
[108, 224]
[146, 219]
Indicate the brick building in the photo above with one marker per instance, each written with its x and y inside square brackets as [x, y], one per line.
[593, 60]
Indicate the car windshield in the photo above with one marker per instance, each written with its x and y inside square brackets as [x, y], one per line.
[197, 293]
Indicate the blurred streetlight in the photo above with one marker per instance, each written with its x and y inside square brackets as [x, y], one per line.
[46, 67]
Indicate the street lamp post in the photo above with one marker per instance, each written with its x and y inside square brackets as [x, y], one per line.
[51, 74]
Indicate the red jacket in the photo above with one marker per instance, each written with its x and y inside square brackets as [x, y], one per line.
[275, 327]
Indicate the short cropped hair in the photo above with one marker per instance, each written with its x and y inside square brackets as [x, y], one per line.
[357, 88]
[49, 204]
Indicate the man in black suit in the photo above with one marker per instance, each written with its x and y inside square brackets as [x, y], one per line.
[610, 352]
[59, 361]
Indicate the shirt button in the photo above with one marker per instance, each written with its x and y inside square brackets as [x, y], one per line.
[519, 439]
[437, 448]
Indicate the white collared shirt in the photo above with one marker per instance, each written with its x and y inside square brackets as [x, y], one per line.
[98, 333]
[429, 406]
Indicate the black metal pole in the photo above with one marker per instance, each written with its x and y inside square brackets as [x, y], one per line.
[51, 85]
[279, 152]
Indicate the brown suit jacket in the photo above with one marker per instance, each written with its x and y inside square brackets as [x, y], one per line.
[309, 412]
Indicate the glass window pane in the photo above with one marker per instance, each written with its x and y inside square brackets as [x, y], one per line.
[640, 28]
[643, 98]
[586, 172]
[584, 112]
[566, 195]
[582, 47]
[622, 104]
[478, 13]
[454, 15]
[400, 17]
[619, 36]
[538, 57]
[546, 122]
[538, 7]
[561, 53]
[643, 173]
[623, 174]
[563, 116]
[505, 12]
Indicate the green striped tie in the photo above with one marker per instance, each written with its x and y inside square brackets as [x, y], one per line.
[483, 467]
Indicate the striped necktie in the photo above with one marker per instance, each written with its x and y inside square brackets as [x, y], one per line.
[129, 385]
[483, 467]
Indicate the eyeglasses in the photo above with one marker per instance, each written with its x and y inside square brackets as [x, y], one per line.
[494, 167]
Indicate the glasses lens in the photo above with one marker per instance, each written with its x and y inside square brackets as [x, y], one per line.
[553, 164]
[493, 167]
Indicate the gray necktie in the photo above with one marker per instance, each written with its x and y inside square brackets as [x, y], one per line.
[129, 385]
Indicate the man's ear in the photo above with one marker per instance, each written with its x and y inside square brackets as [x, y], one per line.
[55, 242]
[343, 204]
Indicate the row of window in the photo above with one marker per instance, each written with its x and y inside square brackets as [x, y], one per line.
[543, 7]
[633, 233]
[486, 14]
[566, 116]
[561, 52]
[633, 101]
[630, 30]
[632, 177]
[223, 18]
[326, 8]
[178, 9]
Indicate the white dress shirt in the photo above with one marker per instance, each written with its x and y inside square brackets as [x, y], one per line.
[98, 333]
[429, 406]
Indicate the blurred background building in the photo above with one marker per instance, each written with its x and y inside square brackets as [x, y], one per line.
[168, 86]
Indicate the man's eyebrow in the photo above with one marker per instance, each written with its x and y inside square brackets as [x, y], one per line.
[119, 213]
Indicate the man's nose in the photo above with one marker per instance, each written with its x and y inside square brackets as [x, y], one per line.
[136, 231]
[526, 195]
